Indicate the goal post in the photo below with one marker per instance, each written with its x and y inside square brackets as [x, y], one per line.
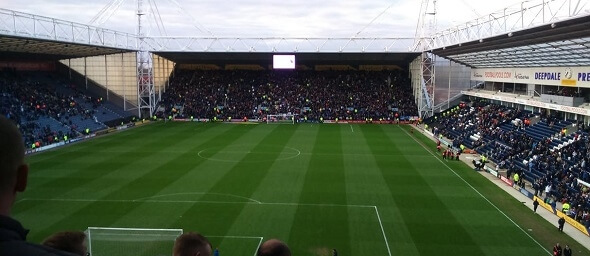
[103, 241]
[286, 118]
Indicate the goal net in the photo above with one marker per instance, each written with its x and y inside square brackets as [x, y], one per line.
[131, 241]
[280, 119]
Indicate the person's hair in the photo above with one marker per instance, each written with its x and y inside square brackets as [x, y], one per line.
[68, 241]
[190, 243]
[273, 247]
[12, 152]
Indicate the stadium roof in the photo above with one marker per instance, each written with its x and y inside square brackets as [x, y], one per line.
[265, 59]
[20, 48]
[563, 43]
[26, 36]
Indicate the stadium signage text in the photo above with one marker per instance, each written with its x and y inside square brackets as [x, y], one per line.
[498, 74]
[562, 76]
[491, 171]
[547, 76]
[573, 222]
[520, 76]
[547, 206]
[552, 208]
[526, 193]
[506, 180]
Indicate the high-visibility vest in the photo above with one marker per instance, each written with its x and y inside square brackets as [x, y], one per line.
[566, 207]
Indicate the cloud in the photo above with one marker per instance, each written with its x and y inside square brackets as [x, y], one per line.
[267, 18]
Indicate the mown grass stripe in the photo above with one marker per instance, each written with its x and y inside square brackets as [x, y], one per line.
[107, 141]
[244, 178]
[287, 210]
[85, 174]
[156, 179]
[324, 183]
[54, 158]
[432, 226]
[365, 184]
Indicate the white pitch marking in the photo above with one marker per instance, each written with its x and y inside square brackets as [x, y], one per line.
[198, 193]
[248, 152]
[140, 229]
[382, 230]
[259, 243]
[221, 202]
[351, 128]
[329, 205]
[239, 237]
[244, 237]
[476, 191]
[187, 201]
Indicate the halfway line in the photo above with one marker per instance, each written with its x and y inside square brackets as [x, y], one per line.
[189, 201]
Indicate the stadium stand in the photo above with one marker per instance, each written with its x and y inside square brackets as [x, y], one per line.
[48, 109]
[545, 150]
[322, 94]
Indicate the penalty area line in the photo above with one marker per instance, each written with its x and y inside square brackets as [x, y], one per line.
[382, 230]
[239, 237]
[260, 238]
[259, 243]
[476, 191]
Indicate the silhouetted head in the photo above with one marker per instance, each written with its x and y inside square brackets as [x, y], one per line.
[192, 244]
[273, 247]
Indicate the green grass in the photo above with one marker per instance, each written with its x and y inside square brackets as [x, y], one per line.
[317, 187]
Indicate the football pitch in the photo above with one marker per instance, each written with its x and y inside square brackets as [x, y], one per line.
[362, 189]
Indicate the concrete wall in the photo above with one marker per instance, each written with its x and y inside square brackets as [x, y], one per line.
[116, 73]
[162, 69]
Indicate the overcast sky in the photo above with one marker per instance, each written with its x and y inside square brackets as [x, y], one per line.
[255, 18]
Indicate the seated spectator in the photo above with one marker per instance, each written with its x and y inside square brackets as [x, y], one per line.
[13, 179]
[68, 241]
[273, 247]
[192, 244]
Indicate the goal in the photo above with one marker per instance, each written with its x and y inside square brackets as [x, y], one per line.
[280, 119]
[130, 241]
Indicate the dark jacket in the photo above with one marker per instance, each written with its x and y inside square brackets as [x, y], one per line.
[561, 221]
[13, 241]
[567, 251]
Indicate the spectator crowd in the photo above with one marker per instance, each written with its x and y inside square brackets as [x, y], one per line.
[34, 100]
[554, 164]
[316, 95]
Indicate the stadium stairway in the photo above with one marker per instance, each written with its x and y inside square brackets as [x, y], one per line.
[82, 123]
[53, 125]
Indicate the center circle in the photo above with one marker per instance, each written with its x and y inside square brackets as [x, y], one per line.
[249, 153]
